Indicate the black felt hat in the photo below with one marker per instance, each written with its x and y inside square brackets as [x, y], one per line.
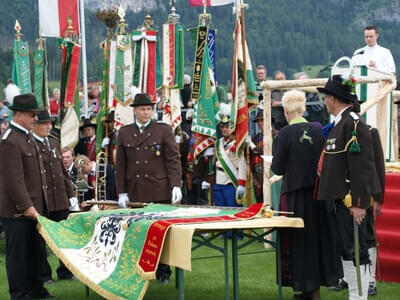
[25, 102]
[87, 123]
[110, 117]
[336, 87]
[141, 99]
[43, 116]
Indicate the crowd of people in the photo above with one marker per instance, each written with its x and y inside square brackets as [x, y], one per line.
[333, 176]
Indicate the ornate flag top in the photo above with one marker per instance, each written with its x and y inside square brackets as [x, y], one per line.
[243, 87]
[40, 84]
[146, 60]
[206, 104]
[21, 74]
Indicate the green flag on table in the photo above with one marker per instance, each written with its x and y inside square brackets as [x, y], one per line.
[102, 248]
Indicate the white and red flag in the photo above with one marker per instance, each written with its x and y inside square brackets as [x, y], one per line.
[210, 2]
[54, 15]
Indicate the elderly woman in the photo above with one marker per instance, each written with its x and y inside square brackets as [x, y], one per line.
[296, 152]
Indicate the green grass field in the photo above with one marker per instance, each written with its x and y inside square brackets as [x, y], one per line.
[206, 280]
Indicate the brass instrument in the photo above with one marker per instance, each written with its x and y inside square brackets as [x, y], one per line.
[101, 176]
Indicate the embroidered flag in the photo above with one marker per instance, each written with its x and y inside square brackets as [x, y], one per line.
[205, 109]
[123, 69]
[54, 15]
[210, 2]
[21, 74]
[145, 61]
[115, 252]
[173, 55]
[243, 88]
[69, 94]
[40, 83]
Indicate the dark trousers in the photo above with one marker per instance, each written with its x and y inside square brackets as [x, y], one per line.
[345, 231]
[24, 257]
[62, 271]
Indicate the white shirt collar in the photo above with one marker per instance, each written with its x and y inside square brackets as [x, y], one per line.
[40, 139]
[20, 127]
[140, 125]
[339, 115]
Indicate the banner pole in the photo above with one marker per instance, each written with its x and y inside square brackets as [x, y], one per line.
[83, 49]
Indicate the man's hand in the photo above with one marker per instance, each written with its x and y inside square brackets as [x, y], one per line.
[358, 214]
[372, 63]
[205, 185]
[250, 142]
[123, 200]
[176, 195]
[105, 142]
[31, 212]
[73, 204]
[377, 209]
[240, 191]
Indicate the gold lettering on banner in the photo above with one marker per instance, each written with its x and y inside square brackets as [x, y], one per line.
[152, 245]
[198, 62]
[160, 226]
[149, 252]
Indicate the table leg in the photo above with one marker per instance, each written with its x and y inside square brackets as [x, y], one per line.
[278, 264]
[226, 266]
[179, 282]
[235, 266]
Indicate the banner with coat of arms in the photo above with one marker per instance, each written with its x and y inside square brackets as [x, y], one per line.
[116, 252]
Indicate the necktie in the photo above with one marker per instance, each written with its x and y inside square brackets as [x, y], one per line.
[46, 143]
[142, 128]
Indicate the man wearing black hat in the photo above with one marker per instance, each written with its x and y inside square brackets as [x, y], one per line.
[60, 193]
[345, 176]
[87, 144]
[22, 197]
[148, 166]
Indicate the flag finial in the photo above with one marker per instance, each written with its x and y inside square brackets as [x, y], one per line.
[173, 17]
[70, 33]
[122, 25]
[148, 22]
[17, 28]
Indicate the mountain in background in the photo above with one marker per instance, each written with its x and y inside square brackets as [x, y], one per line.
[281, 34]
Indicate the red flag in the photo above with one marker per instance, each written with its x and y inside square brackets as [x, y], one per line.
[54, 15]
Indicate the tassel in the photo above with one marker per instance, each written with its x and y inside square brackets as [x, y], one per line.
[355, 148]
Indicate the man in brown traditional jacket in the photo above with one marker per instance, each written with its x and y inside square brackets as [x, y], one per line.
[22, 197]
[148, 166]
[60, 193]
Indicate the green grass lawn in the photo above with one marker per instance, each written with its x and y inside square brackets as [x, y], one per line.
[206, 280]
